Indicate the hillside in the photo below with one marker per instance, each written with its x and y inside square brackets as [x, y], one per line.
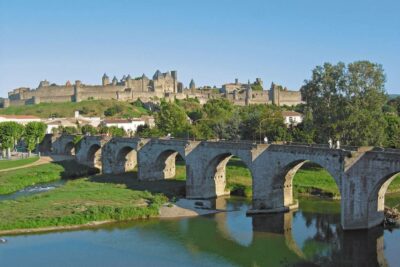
[86, 108]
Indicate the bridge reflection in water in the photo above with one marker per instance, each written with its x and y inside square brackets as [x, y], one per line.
[297, 238]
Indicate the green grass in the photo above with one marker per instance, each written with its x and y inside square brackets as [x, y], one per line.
[67, 109]
[314, 180]
[238, 178]
[79, 202]
[180, 171]
[7, 164]
[12, 181]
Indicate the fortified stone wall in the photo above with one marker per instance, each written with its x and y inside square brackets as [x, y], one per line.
[289, 98]
[162, 85]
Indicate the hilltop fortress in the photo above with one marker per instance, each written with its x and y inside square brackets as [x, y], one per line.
[162, 85]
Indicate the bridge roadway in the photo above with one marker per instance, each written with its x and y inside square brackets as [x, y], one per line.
[362, 174]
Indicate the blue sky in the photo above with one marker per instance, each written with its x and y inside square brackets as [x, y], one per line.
[211, 41]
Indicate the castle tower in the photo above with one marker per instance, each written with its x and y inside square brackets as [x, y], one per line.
[157, 75]
[128, 81]
[180, 87]
[259, 81]
[274, 92]
[249, 94]
[174, 75]
[192, 86]
[105, 80]
[144, 83]
[77, 94]
[114, 81]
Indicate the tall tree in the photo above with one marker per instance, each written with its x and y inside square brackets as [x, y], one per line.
[34, 134]
[10, 134]
[392, 131]
[172, 119]
[346, 102]
[259, 121]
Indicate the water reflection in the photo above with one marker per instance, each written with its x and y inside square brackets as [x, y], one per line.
[309, 237]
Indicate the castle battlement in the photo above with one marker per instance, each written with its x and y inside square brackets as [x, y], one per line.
[162, 85]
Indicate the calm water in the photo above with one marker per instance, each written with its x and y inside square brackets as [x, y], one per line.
[310, 236]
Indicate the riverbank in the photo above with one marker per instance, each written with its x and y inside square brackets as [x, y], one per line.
[15, 180]
[78, 202]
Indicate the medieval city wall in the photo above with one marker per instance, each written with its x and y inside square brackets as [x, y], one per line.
[289, 98]
[48, 91]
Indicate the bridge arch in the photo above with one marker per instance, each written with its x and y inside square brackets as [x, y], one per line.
[165, 164]
[207, 178]
[286, 177]
[376, 198]
[157, 158]
[126, 159]
[93, 156]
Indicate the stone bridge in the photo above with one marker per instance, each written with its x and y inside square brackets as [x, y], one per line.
[361, 174]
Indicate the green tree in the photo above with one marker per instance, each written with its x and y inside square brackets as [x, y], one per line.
[116, 132]
[304, 132]
[112, 111]
[69, 130]
[219, 119]
[102, 129]
[270, 119]
[10, 134]
[172, 119]
[145, 131]
[394, 105]
[346, 102]
[88, 130]
[392, 131]
[34, 134]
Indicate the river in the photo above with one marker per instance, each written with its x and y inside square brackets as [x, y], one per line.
[310, 236]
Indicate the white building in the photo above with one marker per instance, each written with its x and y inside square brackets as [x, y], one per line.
[93, 121]
[130, 126]
[21, 119]
[292, 117]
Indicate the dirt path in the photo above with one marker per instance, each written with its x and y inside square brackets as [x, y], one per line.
[42, 160]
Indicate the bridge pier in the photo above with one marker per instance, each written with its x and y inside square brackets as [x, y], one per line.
[201, 184]
[120, 155]
[157, 158]
[162, 168]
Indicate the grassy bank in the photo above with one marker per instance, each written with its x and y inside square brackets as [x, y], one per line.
[67, 109]
[12, 181]
[79, 202]
[7, 164]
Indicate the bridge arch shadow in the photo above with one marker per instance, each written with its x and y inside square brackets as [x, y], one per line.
[170, 164]
[93, 157]
[225, 172]
[126, 160]
[69, 149]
